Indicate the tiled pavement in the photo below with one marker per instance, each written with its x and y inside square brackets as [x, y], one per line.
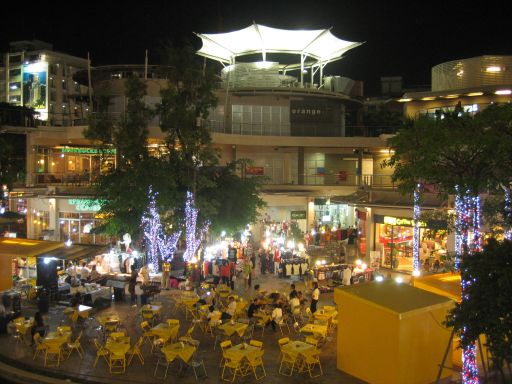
[78, 370]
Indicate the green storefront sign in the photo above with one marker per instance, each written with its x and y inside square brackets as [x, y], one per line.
[85, 204]
[297, 215]
[88, 151]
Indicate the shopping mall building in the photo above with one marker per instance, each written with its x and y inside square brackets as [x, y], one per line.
[300, 129]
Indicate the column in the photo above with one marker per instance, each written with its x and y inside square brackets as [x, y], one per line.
[300, 165]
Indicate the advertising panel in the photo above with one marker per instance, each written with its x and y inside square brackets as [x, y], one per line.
[35, 95]
[255, 171]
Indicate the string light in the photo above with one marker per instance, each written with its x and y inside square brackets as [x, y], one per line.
[416, 233]
[192, 236]
[152, 228]
[508, 214]
[468, 211]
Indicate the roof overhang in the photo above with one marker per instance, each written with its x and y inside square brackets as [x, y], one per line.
[319, 44]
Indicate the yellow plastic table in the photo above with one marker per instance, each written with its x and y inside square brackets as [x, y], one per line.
[150, 307]
[57, 338]
[181, 350]
[297, 347]
[117, 348]
[315, 329]
[108, 318]
[325, 315]
[164, 330]
[242, 350]
[229, 329]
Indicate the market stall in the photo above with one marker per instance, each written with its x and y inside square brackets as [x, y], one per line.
[391, 333]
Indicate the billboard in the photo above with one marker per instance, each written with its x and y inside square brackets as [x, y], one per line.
[35, 94]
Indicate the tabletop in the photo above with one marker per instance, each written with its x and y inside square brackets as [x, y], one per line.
[182, 350]
[315, 328]
[229, 329]
[297, 347]
[117, 348]
[241, 350]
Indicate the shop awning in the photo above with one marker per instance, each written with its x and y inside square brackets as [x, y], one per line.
[26, 247]
[76, 252]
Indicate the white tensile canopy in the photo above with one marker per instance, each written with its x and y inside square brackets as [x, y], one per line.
[319, 44]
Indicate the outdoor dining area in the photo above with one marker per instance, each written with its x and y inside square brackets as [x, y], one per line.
[206, 333]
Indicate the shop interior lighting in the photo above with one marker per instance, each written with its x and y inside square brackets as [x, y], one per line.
[399, 280]
[68, 243]
[404, 100]
[493, 68]
[429, 98]
[358, 262]
[416, 273]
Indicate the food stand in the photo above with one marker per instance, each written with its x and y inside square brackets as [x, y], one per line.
[391, 333]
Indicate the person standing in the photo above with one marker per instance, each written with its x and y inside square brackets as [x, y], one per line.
[166, 271]
[84, 272]
[132, 282]
[315, 295]
[144, 275]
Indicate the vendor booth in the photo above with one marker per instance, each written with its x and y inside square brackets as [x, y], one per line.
[391, 333]
[448, 285]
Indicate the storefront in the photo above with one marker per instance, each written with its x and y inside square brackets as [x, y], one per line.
[63, 219]
[394, 242]
[70, 165]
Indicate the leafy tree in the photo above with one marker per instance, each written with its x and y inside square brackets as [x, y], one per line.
[382, 120]
[456, 154]
[488, 311]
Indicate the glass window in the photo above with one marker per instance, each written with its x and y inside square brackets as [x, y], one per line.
[14, 72]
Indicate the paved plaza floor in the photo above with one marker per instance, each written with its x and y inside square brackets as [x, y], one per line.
[81, 370]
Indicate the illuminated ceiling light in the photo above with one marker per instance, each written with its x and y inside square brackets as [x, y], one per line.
[493, 68]
[460, 73]
[404, 100]
[451, 96]
[429, 98]
[503, 92]
[475, 94]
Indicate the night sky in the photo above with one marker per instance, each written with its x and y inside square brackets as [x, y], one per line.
[402, 38]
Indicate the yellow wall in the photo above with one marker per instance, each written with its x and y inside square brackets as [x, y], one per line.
[378, 346]
[5, 273]
[423, 341]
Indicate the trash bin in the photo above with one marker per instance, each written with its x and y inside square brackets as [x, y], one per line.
[43, 301]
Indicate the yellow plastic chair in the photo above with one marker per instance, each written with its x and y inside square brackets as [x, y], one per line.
[223, 346]
[148, 315]
[234, 365]
[117, 362]
[39, 345]
[288, 360]
[312, 358]
[135, 351]
[75, 346]
[73, 318]
[53, 355]
[283, 323]
[110, 327]
[311, 340]
[146, 332]
[255, 360]
[188, 335]
[282, 341]
[256, 343]
[101, 352]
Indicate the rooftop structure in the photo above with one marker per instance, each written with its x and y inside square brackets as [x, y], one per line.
[319, 46]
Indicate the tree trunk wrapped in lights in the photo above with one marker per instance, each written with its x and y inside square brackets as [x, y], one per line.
[193, 236]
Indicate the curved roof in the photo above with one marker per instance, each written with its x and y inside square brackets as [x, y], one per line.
[319, 44]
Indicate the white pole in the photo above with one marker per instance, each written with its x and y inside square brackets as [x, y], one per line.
[146, 66]
[89, 81]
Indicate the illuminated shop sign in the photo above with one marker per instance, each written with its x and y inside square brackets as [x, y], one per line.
[89, 151]
[85, 204]
[403, 222]
[407, 222]
[298, 215]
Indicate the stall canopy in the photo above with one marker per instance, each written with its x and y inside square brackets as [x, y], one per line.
[39, 248]
[27, 247]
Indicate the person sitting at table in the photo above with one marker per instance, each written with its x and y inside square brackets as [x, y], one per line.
[214, 316]
[84, 272]
[95, 275]
[75, 300]
[293, 290]
[38, 326]
[301, 298]
[255, 305]
[294, 303]
[277, 315]
[230, 310]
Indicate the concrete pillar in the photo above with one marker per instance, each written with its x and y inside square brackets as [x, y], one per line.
[370, 234]
[343, 131]
[310, 214]
[300, 165]
[5, 273]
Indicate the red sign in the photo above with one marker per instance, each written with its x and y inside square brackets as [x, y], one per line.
[342, 176]
[256, 171]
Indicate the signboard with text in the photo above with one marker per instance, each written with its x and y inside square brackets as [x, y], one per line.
[298, 215]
